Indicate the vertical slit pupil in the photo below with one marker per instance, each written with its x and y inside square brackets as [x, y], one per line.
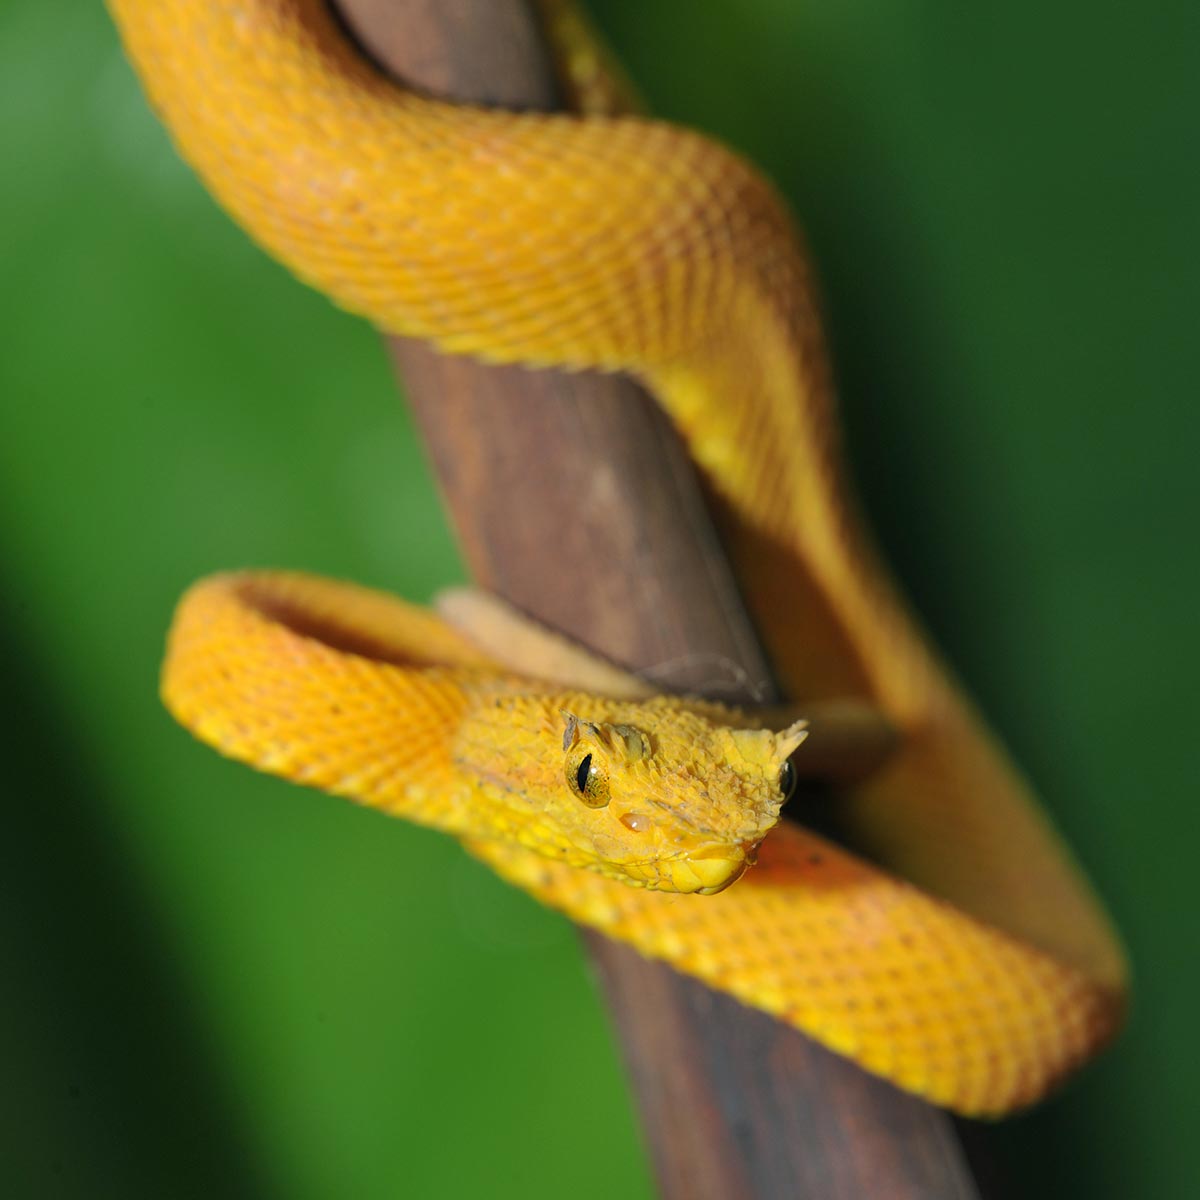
[585, 769]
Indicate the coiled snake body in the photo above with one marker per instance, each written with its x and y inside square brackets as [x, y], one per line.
[975, 970]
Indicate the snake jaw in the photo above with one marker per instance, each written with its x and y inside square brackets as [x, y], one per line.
[719, 869]
[720, 887]
[711, 869]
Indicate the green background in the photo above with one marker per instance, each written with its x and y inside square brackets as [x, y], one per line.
[213, 984]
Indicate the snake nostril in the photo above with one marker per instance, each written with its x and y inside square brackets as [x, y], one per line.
[635, 822]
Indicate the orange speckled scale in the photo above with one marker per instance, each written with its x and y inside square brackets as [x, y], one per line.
[612, 241]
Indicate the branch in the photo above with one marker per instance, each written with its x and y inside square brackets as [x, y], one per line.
[574, 499]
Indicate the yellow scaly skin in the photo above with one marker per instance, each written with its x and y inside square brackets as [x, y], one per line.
[622, 243]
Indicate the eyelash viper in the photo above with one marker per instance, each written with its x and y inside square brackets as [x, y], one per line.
[972, 966]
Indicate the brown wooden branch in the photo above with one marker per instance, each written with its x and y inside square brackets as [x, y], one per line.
[574, 500]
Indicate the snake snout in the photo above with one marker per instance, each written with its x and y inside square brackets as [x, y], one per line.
[712, 869]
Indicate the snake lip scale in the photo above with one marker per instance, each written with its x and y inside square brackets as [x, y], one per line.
[964, 958]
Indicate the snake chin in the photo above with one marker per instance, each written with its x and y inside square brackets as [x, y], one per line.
[707, 872]
[734, 876]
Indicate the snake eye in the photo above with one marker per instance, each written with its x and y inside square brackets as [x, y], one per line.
[587, 778]
[787, 780]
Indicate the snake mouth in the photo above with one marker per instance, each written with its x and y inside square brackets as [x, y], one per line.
[709, 871]
[736, 874]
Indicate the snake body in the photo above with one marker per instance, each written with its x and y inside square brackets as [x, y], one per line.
[972, 966]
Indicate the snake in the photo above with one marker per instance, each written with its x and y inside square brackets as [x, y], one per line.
[957, 950]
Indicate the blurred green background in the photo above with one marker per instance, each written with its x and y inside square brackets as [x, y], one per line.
[213, 984]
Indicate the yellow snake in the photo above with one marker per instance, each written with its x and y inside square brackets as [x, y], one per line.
[973, 965]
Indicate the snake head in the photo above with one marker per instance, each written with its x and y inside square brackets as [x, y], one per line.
[661, 794]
